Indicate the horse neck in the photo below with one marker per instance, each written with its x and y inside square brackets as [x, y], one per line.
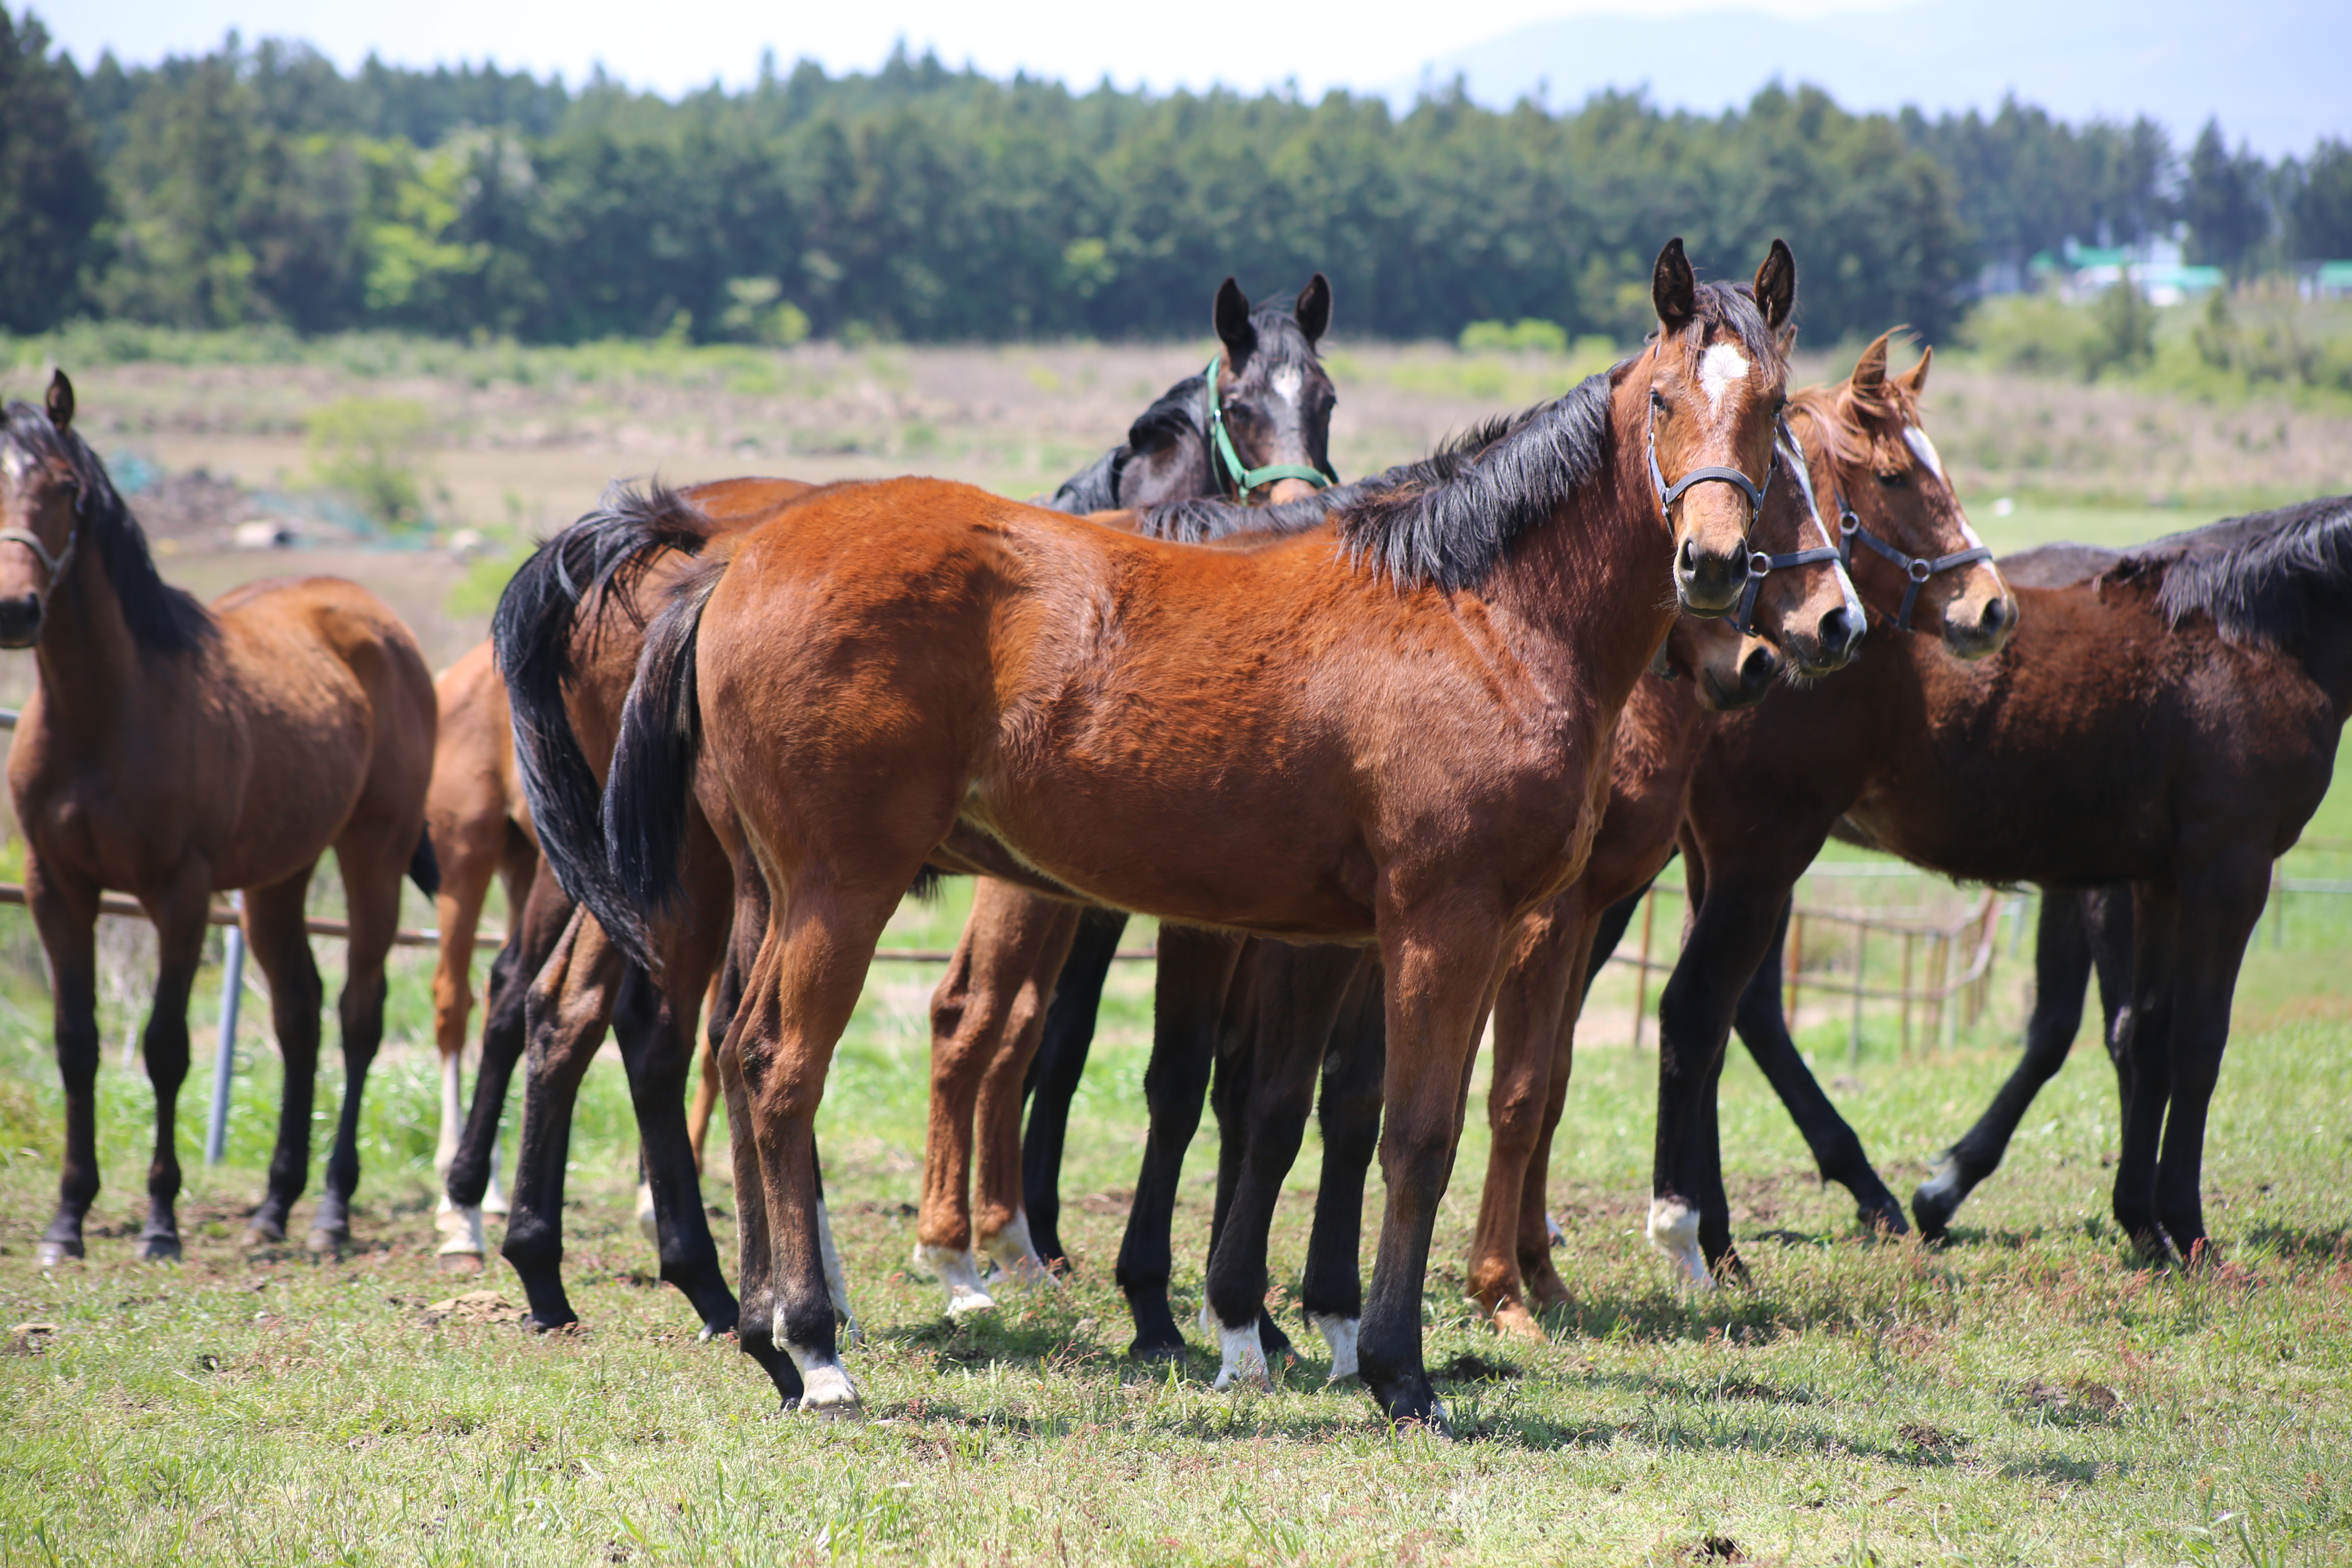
[2325, 655]
[1596, 579]
[92, 672]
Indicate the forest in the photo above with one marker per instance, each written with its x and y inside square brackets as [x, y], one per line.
[259, 184]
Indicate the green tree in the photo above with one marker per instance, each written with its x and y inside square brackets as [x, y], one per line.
[51, 195]
[2322, 204]
[2222, 202]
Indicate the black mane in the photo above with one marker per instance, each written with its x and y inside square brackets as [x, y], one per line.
[2264, 577]
[161, 619]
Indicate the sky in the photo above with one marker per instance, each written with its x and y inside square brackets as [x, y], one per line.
[2084, 62]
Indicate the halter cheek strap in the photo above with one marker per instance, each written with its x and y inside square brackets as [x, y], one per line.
[1916, 568]
[55, 566]
[1228, 458]
[1761, 565]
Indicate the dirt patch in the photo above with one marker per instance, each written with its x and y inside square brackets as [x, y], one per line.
[1712, 1549]
[473, 1306]
[1931, 1442]
[1469, 1367]
[2080, 1398]
[30, 1339]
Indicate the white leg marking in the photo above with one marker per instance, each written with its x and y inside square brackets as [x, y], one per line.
[1340, 1334]
[453, 1116]
[960, 1272]
[1673, 1230]
[493, 1200]
[1210, 1327]
[1552, 1237]
[836, 1281]
[461, 1230]
[1018, 1255]
[1245, 1357]
[646, 1225]
[826, 1388]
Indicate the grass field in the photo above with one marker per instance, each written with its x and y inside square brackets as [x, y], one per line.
[2031, 1395]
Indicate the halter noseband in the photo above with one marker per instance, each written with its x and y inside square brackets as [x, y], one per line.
[55, 566]
[1916, 568]
[1227, 459]
[1761, 565]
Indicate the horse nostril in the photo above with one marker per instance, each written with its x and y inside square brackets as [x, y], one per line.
[1690, 555]
[1838, 630]
[1756, 670]
[1996, 611]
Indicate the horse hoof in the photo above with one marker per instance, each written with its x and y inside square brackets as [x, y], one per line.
[465, 1265]
[328, 1244]
[159, 1249]
[258, 1234]
[827, 1393]
[1513, 1321]
[552, 1324]
[50, 1254]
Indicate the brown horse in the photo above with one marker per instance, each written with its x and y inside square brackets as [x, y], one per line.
[480, 827]
[2184, 766]
[172, 752]
[1390, 729]
[1659, 742]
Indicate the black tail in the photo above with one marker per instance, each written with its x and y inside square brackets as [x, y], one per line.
[649, 793]
[532, 635]
[424, 866]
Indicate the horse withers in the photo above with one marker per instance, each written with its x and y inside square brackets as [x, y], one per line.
[172, 752]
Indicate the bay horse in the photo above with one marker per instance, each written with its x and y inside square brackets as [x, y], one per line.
[569, 630]
[482, 832]
[1388, 728]
[2224, 668]
[171, 752]
[1279, 1003]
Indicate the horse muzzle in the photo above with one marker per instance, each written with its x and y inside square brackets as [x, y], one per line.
[20, 621]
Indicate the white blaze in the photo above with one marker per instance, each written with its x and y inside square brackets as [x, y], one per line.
[1924, 450]
[1287, 379]
[1723, 368]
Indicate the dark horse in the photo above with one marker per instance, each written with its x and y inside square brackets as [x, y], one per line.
[1386, 728]
[172, 752]
[569, 631]
[2170, 724]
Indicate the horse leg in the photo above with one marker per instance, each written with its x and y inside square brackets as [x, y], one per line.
[1529, 1019]
[755, 1321]
[1441, 963]
[65, 911]
[1763, 1025]
[1000, 1227]
[1331, 1290]
[1232, 1074]
[538, 926]
[1733, 926]
[570, 1003]
[1195, 966]
[706, 1084]
[1298, 998]
[2217, 914]
[2145, 1055]
[179, 916]
[1054, 1072]
[469, 862]
[1003, 949]
[819, 942]
[274, 931]
[372, 870]
[2061, 973]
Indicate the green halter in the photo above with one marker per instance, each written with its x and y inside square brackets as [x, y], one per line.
[1229, 463]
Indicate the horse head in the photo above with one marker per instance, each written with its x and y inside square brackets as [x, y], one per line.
[1727, 668]
[1906, 539]
[1269, 402]
[1717, 377]
[44, 491]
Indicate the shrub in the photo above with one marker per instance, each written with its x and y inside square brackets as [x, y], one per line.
[371, 449]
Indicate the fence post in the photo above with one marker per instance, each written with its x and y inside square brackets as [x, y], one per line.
[1642, 974]
[224, 1056]
[1853, 1041]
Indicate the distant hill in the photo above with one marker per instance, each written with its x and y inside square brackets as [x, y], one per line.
[2275, 72]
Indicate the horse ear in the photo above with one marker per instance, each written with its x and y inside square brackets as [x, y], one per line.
[1673, 287]
[1314, 308]
[1234, 327]
[1775, 284]
[1870, 370]
[60, 401]
[1914, 379]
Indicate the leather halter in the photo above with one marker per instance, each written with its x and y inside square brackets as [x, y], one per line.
[1226, 457]
[1761, 565]
[55, 566]
[1916, 568]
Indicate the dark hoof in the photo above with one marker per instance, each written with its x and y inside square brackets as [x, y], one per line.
[328, 1244]
[1881, 1215]
[1933, 1208]
[552, 1323]
[159, 1249]
[465, 1265]
[1274, 1342]
[265, 1230]
[1415, 1409]
[50, 1254]
[1156, 1348]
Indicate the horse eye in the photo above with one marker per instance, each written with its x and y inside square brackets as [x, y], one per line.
[1657, 400]
[1895, 481]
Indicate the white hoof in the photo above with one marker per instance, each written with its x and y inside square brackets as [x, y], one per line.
[1673, 1230]
[1552, 1236]
[1017, 1255]
[826, 1388]
[836, 1281]
[460, 1228]
[960, 1272]
[647, 1225]
[494, 1200]
[1245, 1357]
[1340, 1334]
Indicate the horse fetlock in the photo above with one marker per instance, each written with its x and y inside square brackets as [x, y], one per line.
[1673, 1230]
[836, 1278]
[460, 1227]
[1340, 1334]
[826, 1387]
[959, 1271]
[649, 1222]
[1243, 1356]
[55, 1250]
[1015, 1254]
